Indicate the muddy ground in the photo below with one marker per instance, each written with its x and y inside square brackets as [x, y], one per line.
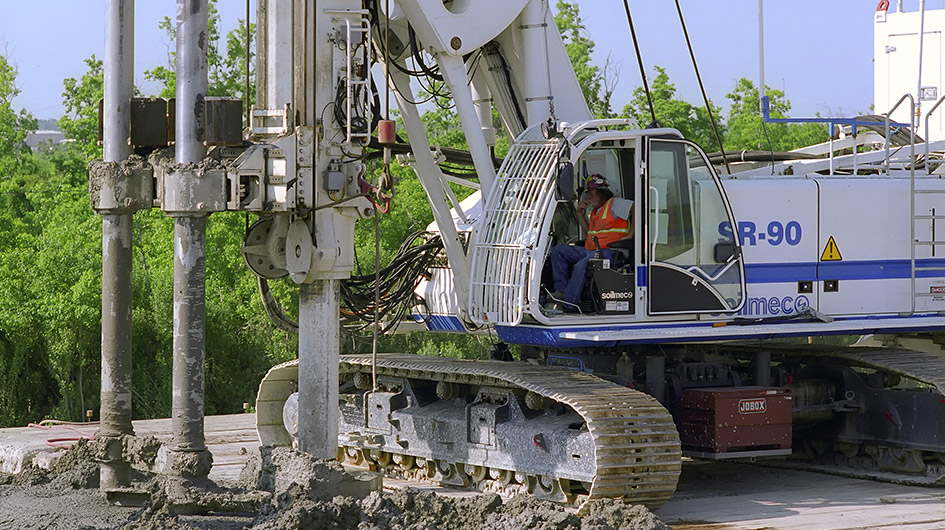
[280, 489]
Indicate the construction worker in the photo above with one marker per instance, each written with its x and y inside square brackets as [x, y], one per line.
[611, 220]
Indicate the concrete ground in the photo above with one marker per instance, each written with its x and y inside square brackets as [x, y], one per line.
[730, 496]
[230, 438]
[711, 495]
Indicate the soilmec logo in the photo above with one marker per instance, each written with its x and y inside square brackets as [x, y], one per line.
[617, 295]
[775, 305]
[937, 290]
[752, 406]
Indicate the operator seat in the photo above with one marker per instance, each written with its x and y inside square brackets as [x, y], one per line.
[623, 255]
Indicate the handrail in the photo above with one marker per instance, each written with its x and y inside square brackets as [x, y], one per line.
[579, 127]
[656, 221]
[911, 128]
[911, 181]
[927, 116]
[728, 265]
[831, 122]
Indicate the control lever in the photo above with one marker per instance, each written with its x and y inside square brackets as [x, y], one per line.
[597, 254]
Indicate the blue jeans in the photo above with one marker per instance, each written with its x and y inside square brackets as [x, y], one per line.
[568, 268]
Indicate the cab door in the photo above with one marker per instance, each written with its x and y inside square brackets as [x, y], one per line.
[689, 269]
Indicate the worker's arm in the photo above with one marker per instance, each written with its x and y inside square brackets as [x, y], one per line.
[582, 216]
[629, 225]
[623, 208]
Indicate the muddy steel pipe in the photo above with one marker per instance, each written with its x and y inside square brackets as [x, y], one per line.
[190, 229]
[192, 20]
[115, 411]
[190, 266]
[319, 338]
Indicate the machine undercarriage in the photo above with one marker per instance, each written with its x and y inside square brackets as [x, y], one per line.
[546, 426]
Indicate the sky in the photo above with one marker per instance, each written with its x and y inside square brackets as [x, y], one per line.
[818, 51]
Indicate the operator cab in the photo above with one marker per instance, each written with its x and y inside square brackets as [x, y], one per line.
[675, 263]
[675, 267]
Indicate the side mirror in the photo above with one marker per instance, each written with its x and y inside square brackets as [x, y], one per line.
[725, 251]
[564, 188]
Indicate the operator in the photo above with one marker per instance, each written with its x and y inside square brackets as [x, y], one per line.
[611, 220]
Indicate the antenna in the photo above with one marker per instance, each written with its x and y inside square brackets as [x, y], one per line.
[918, 93]
[761, 56]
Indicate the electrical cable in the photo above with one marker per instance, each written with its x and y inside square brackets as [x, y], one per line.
[759, 156]
[60, 442]
[393, 286]
[359, 123]
[418, 57]
[493, 49]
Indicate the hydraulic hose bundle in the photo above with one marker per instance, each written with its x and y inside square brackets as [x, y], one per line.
[396, 283]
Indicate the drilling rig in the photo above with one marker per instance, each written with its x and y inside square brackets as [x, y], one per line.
[669, 351]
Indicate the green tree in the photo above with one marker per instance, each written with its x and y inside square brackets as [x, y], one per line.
[14, 124]
[690, 120]
[594, 80]
[49, 297]
[745, 127]
[80, 98]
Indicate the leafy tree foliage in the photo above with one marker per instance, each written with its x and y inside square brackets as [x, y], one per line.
[14, 124]
[691, 120]
[742, 130]
[81, 97]
[745, 127]
[594, 81]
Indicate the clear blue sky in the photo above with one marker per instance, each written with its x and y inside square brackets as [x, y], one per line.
[818, 51]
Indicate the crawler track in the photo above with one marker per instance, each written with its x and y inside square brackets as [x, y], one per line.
[923, 367]
[633, 444]
[887, 462]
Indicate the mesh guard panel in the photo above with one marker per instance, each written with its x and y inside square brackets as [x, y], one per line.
[506, 239]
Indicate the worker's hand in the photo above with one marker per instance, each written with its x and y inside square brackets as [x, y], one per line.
[583, 204]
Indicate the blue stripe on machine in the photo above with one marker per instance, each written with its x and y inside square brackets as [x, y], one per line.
[780, 272]
[841, 270]
[448, 324]
[866, 270]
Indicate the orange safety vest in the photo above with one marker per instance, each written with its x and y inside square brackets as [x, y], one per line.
[605, 226]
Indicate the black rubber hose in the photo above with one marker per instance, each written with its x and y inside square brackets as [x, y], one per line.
[274, 310]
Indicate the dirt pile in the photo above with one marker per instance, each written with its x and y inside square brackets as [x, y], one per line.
[282, 489]
[318, 495]
[75, 469]
[418, 510]
[65, 496]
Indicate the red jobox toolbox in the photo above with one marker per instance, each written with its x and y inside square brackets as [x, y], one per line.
[736, 422]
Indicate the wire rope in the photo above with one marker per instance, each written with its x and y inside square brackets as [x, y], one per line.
[708, 105]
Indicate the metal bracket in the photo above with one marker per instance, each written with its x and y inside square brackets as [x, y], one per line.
[120, 188]
[193, 189]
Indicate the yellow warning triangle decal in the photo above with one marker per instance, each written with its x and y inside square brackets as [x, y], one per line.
[831, 252]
